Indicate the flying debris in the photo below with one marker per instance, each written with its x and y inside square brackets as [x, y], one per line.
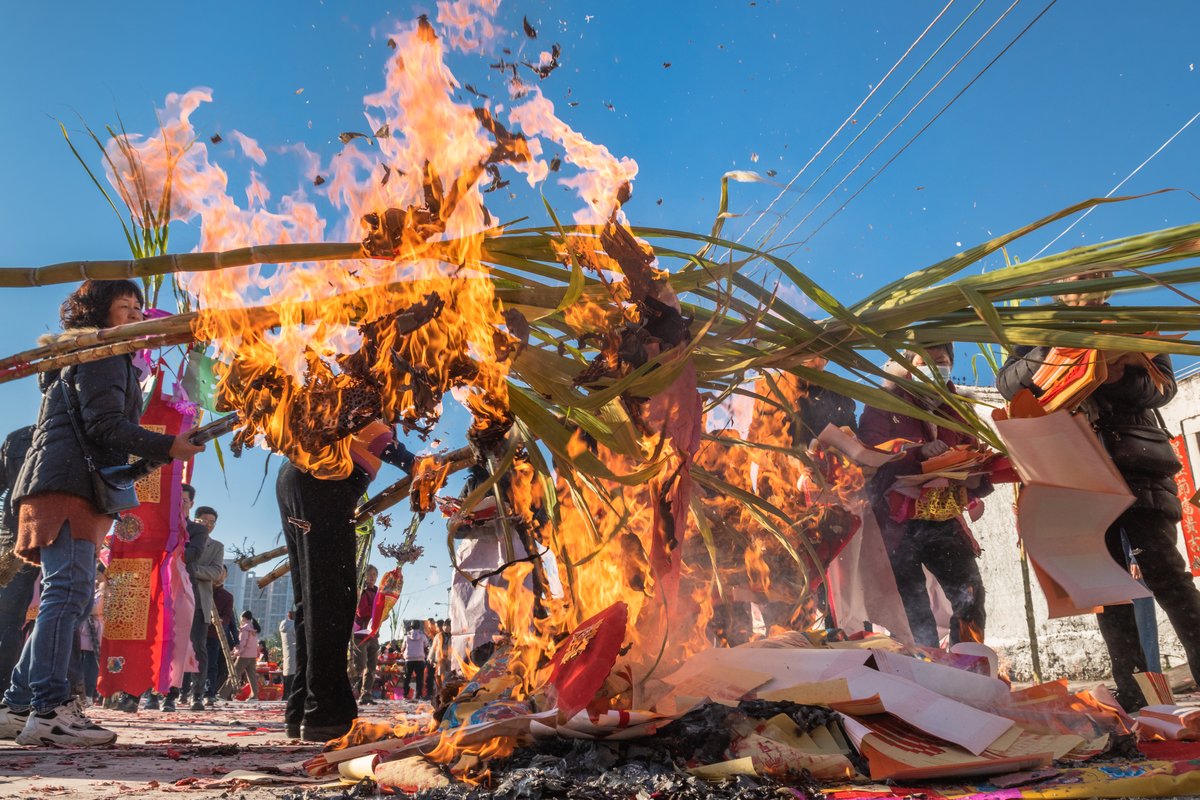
[317, 181]
[349, 136]
[216, 138]
[530, 31]
[384, 131]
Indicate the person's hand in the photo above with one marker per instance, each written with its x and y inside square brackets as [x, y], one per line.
[1135, 571]
[934, 448]
[182, 448]
[975, 511]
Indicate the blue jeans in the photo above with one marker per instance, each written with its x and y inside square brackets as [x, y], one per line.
[68, 576]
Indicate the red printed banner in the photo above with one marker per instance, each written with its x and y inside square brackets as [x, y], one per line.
[143, 607]
[1186, 482]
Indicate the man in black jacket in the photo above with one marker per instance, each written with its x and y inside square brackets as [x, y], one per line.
[16, 595]
[1122, 411]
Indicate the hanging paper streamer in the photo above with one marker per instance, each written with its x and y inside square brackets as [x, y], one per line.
[385, 598]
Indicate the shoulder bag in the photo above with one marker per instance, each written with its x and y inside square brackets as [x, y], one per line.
[113, 488]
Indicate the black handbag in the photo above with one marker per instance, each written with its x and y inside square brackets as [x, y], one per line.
[113, 488]
[1144, 449]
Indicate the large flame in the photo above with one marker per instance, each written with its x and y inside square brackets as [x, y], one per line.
[388, 335]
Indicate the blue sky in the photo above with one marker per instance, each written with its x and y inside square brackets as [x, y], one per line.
[1090, 91]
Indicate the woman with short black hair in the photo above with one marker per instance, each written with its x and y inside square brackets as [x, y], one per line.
[88, 420]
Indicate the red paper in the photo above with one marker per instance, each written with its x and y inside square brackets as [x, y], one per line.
[583, 661]
[1186, 482]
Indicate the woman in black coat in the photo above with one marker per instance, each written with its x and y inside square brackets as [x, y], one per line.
[96, 406]
[1123, 413]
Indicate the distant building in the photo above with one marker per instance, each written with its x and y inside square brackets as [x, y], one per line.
[268, 605]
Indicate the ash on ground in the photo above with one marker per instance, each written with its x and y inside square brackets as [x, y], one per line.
[652, 768]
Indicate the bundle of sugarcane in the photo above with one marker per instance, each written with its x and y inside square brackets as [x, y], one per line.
[570, 378]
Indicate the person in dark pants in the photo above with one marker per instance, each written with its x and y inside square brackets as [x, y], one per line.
[1123, 413]
[319, 531]
[416, 645]
[205, 560]
[928, 536]
[17, 594]
[364, 648]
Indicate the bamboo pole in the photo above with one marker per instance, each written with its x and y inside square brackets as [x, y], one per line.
[271, 576]
[458, 459]
[247, 563]
[71, 271]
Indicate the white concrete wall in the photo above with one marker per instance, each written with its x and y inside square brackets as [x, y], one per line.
[1069, 647]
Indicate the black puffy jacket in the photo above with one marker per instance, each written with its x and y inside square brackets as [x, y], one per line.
[1123, 407]
[110, 404]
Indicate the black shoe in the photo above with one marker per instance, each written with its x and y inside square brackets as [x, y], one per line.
[323, 733]
[127, 703]
[152, 703]
[293, 731]
[168, 706]
[197, 705]
[211, 703]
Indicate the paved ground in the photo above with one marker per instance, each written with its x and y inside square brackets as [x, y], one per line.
[181, 752]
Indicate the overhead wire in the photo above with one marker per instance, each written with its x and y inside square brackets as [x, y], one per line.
[1117, 188]
[924, 128]
[983, 37]
[849, 118]
[874, 118]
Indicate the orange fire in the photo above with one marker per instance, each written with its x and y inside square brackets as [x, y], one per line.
[387, 336]
[468, 760]
[813, 489]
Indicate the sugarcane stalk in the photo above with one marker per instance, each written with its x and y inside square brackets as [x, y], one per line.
[247, 563]
[273, 575]
[167, 326]
[21, 370]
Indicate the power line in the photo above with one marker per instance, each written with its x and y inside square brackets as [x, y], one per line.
[1114, 190]
[904, 119]
[926, 126]
[875, 118]
[849, 118]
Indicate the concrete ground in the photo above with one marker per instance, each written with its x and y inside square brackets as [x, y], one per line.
[180, 752]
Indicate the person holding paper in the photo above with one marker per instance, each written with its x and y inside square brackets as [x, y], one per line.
[1122, 410]
[930, 533]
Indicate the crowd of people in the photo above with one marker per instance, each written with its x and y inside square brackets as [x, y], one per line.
[54, 521]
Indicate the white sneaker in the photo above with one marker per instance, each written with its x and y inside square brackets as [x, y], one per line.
[12, 722]
[80, 716]
[63, 726]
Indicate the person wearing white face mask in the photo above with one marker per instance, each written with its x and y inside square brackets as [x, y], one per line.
[930, 533]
